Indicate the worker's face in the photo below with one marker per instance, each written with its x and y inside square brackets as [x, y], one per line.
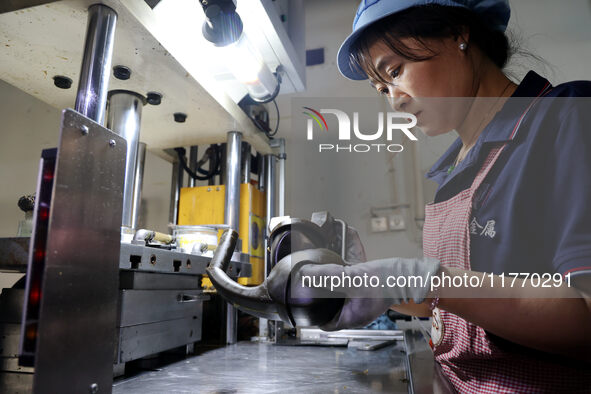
[419, 87]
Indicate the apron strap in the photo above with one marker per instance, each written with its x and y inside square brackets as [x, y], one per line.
[486, 167]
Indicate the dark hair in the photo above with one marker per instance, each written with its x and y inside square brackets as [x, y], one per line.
[428, 22]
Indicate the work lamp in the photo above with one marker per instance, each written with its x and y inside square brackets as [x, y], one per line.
[224, 29]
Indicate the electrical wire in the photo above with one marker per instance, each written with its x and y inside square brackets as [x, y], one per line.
[278, 74]
[214, 157]
[263, 128]
[209, 153]
[270, 135]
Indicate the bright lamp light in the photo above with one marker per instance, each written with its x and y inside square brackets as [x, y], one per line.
[223, 28]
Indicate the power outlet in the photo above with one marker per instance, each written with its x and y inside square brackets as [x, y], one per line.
[379, 225]
[396, 222]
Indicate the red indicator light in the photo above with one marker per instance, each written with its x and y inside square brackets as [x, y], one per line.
[48, 175]
[35, 295]
[31, 332]
[43, 213]
[39, 254]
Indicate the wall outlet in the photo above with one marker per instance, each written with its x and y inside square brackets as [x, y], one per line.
[396, 223]
[379, 225]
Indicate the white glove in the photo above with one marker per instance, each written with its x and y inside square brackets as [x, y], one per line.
[383, 282]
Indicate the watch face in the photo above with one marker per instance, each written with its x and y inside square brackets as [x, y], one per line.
[437, 329]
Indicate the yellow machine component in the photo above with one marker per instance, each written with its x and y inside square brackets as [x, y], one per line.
[251, 230]
[205, 205]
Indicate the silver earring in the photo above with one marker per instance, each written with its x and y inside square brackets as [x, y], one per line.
[463, 46]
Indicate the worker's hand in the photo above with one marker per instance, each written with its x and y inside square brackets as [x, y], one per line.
[368, 289]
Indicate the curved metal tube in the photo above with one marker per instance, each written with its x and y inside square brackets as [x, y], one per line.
[254, 300]
[272, 299]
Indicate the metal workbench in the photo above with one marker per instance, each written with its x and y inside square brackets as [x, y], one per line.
[251, 367]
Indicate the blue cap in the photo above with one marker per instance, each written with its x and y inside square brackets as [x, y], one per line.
[370, 11]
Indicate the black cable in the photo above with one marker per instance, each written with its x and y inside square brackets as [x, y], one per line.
[278, 72]
[218, 159]
[202, 171]
[278, 119]
[262, 128]
[183, 161]
[257, 124]
[213, 153]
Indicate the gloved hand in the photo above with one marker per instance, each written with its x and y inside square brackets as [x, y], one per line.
[368, 289]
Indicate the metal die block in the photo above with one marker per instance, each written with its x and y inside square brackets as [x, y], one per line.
[9, 339]
[149, 306]
[138, 280]
[10, 365]
[13, 253]
[142, 258]
[16, 382]
[13, 377]
[11, 305]
[146, 339]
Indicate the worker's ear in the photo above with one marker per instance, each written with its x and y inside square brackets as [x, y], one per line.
[462, 36]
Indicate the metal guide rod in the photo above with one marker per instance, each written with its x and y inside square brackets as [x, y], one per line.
[281, 157]
[232, 210]
[125, 112]
[261, 171]
[269, 185]
[281, 199]
[91, 97]
[232, 179]
[138, 182]
[245, 162]
[175, 191]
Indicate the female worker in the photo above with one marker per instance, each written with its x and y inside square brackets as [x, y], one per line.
[514, 196]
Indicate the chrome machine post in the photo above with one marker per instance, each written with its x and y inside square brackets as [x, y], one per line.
[261, 171]
[91, 98]
[138, 182]
[281, 157]
[245, 162]
[124, 118]
[269, 187]
[232, 211]
[175, 189]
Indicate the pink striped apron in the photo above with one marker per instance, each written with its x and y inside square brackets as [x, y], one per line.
[473, 360]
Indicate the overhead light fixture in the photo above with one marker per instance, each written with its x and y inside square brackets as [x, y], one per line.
[224, 29]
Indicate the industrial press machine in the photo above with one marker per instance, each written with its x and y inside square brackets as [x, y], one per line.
[100, 291]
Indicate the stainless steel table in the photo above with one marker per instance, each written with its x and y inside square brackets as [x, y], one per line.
[251, 367]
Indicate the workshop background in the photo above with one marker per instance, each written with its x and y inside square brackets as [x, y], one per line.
[558, 32]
